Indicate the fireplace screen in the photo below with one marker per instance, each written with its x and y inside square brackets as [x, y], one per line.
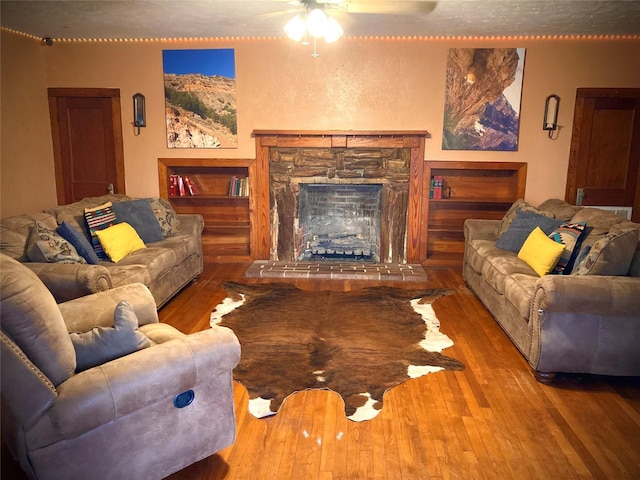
[339, 222]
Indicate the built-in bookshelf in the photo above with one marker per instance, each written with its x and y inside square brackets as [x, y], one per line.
[220, 193]
[461, 190]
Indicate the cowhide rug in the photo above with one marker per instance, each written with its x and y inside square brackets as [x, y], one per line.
[359, 343]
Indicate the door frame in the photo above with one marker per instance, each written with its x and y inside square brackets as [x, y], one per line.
[572, 171]
[116, 119]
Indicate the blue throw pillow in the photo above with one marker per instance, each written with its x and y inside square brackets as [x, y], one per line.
[79, 241]
[522, 226]
[139, 214]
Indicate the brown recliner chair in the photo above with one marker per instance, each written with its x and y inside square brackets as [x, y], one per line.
[143, 415]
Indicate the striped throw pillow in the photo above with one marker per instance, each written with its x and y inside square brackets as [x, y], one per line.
[99, 218]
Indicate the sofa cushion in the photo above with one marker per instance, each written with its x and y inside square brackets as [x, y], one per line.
[156, 260]
[32, 319]
[73, 213]
[570, 235]
[540, 252]
[611, 255]
[140, 216]
[479, 250]
[99, 218]
[521, 226]
[103, 344]
[559, 209]
[46, 246]
[518, 206]
[166, 215]
[495, 270]
[79, 241]
[119, 240]
[15, 233]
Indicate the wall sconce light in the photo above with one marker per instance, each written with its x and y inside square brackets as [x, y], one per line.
[139, 114]
[551, 106]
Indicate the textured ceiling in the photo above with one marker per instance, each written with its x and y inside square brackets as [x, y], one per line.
[265, 18]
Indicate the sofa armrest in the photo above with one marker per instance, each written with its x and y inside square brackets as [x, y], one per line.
[585, 324]
[480, 229]
[156, 374]
[192, 224]
[592, 294]
[67, 281]
[84, 313]
[27, 391]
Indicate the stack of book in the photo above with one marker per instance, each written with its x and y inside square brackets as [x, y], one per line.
[239, 187]
[180, 186]
[436, 187]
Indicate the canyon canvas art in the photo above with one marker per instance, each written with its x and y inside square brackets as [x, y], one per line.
[482, 99]
[200, 98]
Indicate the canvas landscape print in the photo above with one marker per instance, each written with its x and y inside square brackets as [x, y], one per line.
[482, 99]
[200, 98]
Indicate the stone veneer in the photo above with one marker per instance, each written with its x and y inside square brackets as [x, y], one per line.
[290, 167]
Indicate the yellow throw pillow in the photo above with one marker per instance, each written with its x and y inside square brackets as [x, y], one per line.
[540, 252]
[119, 241]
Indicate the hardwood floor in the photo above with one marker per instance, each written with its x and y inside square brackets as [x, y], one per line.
[490, 421]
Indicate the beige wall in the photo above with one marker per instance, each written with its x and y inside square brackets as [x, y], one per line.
[27, 181]
[355, 84]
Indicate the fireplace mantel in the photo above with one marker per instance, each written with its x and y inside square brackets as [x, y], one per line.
[410, 139]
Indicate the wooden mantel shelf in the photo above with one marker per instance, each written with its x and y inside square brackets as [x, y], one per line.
[341, 138]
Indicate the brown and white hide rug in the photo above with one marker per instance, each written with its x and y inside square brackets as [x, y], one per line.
[359, 343]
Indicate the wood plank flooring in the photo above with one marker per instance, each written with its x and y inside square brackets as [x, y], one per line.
[490, 421]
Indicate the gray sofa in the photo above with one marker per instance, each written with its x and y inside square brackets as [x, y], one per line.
[584, 321]
[165, 266]
[96, 388]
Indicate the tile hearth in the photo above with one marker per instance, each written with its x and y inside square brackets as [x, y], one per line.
[337, 270]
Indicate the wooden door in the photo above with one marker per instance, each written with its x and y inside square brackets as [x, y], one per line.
[605, 149]
[87, 138]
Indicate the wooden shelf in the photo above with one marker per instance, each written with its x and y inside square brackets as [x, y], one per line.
[227, 219]
[483, 190]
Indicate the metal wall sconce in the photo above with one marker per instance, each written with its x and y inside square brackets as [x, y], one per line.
[551, 107]
[139, 114]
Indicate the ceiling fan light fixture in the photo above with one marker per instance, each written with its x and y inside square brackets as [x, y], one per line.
[296, 28]
[333, 31]
[317, 23]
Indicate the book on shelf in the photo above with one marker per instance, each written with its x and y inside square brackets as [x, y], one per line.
[437, 187]
[238, 187]
[180, 186]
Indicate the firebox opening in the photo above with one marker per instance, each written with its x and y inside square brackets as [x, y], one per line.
[339, 222]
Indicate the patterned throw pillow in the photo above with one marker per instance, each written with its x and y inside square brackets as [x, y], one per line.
[571, 236]
[611, 255]
[99, 218]
[166, 215]
[46, 246]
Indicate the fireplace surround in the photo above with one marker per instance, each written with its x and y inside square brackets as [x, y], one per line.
[288, 161]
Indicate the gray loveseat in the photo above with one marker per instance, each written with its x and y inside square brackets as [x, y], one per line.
[165, 266]
[583, 321]
[95, 388]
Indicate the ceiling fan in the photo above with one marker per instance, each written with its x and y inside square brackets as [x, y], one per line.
[389, 7]
[318, 19]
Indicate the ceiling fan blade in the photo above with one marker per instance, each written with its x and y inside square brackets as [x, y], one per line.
[398, 7]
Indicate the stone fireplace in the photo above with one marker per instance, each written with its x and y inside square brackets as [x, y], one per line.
[339, 196]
